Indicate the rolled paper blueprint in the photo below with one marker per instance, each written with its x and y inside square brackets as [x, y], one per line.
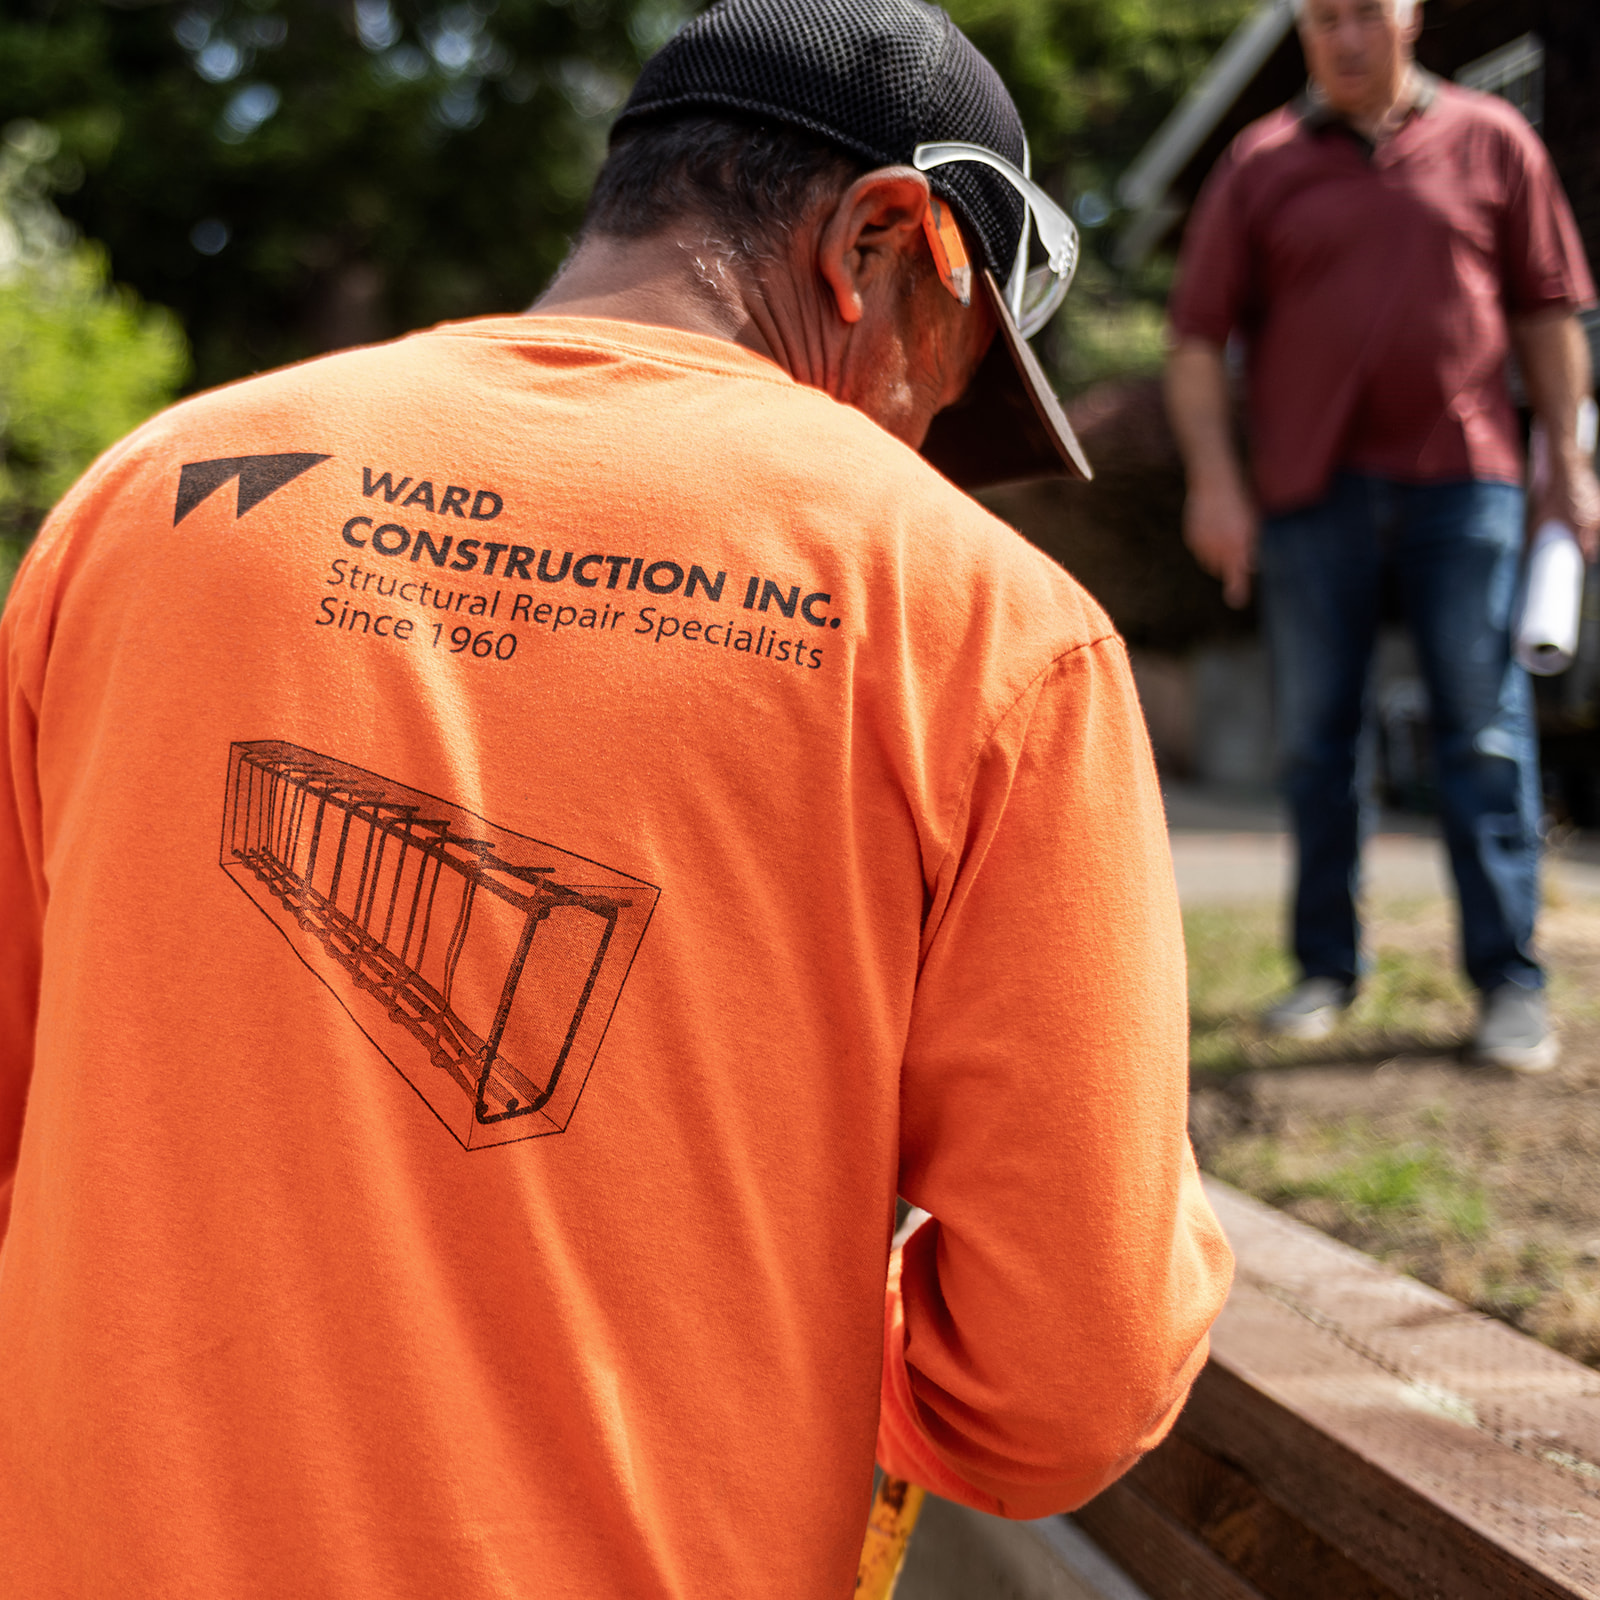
[1547, 630]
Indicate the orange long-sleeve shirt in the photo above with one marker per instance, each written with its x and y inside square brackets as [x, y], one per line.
[517, 844]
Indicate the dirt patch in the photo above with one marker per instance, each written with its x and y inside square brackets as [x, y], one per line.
[1479, 1182]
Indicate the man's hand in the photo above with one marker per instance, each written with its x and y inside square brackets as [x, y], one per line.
[1221, 527]
[1572, 495]
[1220, 524]
[1553, 352]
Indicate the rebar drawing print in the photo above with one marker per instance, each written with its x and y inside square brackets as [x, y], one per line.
[483, 964]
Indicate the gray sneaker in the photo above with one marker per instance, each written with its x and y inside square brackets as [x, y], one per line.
[1514, 1031]
[1310, 1010]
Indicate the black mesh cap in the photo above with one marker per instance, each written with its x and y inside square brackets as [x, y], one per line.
[877, 77]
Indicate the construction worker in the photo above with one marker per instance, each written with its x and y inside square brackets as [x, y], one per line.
[521, 841]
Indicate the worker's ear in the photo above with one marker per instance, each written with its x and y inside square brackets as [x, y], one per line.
[865, 241]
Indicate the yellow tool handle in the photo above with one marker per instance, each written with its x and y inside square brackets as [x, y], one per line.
[895, 1508]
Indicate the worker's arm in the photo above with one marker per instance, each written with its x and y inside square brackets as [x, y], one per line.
[1049, 1319]
[1553, 354]
[22, 890]
[1220, 524]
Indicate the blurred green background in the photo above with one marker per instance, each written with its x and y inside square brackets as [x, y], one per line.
[194, 191]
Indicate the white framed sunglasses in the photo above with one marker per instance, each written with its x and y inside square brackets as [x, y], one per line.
[1032, 294]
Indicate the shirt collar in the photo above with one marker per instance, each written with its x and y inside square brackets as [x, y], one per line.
[1316, 114]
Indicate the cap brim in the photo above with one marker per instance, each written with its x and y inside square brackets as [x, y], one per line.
[1008, 426]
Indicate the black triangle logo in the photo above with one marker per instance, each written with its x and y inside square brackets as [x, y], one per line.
[258, 477]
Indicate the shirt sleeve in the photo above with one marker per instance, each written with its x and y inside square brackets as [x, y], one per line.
[1045, 1325]
[1545, 265]
[22, 886]
[1212, 286]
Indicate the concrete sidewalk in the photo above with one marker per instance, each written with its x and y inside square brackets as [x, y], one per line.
[1236, 849]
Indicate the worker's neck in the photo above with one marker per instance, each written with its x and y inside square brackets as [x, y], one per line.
[668, 281]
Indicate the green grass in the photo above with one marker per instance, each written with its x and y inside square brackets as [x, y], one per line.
[1236, 957]
[1236, 963]
[1461, 1196]
[1411, 1182]
[1404, 988]
[1391, 1191]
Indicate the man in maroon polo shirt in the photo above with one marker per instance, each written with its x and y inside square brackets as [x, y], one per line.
[1379, 246]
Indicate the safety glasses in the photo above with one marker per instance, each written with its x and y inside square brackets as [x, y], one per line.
[1032, 294]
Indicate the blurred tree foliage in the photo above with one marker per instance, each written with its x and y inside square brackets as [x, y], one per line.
[293, 175]
[81, 362]
[1094, 78]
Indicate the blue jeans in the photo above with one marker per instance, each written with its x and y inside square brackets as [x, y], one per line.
[1455, 550]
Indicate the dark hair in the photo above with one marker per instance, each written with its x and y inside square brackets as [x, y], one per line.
[749, 179]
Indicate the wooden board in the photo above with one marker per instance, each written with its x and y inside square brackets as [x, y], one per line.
[1246, 1529]
[1156, 1552]
[1441, 1453]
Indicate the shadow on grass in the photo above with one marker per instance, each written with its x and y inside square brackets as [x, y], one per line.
[1223, 1046]
[1412, 1001]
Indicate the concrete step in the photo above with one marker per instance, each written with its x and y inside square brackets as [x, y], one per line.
[956, 1554]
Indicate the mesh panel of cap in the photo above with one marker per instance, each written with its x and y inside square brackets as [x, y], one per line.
[877, 77]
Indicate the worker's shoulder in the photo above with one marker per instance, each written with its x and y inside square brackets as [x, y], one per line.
[912, 532]
[306, 410]
[247, 417]
[367, 381]
[270, 427]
